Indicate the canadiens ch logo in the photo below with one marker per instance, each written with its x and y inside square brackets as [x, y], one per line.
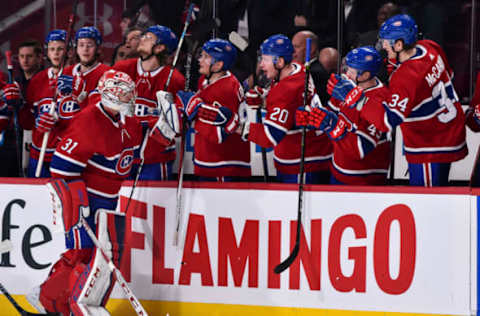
[67, 109]
[124, 163]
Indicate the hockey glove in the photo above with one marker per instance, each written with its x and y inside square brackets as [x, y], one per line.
[345, 90]
[342, 126]
[322, 119]
[301, 117]
[64, 85]
[11, 91]
[79, 89]
[255, 97]
[218, 115]
[189, 103]
[45, 122]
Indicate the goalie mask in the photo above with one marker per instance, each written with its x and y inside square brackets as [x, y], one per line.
[118, 92]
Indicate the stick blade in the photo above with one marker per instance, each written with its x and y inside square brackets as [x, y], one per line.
[287, 262]
[238, 41]
[5, 246]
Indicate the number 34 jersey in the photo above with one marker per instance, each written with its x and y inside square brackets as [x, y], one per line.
[424, 102]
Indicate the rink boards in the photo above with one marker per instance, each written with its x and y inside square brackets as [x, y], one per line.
[364, 251]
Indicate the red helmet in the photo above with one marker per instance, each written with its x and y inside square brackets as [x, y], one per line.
[118, 91]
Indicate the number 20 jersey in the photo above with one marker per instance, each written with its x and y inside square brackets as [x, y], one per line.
[423, 100]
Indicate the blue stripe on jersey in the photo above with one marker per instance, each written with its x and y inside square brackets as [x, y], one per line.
[63, 166]
[104, 162]
[393, 118]
[366, 145]
[274, 134]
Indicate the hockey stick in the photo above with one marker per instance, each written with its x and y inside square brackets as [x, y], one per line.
[137, 306]
[180, 42]
[16, 127]
[71, 21]
[17, 306]
[185, 126]
[293, 255]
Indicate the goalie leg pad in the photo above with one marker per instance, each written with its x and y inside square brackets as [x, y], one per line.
[92, 283]
[53, 292]
[70, 201]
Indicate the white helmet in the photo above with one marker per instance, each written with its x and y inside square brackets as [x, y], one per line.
[118, 92]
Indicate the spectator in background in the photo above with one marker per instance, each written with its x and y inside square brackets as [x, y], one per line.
[386, 11]
[119, 53]
[132, 39]
[128, 17]
[255, 21]
[30, 60]
[319, 69]
[320, 16]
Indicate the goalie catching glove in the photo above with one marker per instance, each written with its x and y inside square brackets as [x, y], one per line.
[168, 124]
[218, 115]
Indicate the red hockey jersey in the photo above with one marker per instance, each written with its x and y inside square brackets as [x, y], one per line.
[362, 157]
[424, 103]
[98, 149]
[39, 98]
[279, 130]
[218, 154]
[147, 85]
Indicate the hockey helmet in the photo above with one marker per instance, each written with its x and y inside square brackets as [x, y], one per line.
[221, 50]
[363, 59]
[89, 32]
[278, 45]
[401, 26]
[164, 36]
[56, 35]
[117, 91]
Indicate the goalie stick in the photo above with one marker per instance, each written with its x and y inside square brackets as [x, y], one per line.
[293, 255]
